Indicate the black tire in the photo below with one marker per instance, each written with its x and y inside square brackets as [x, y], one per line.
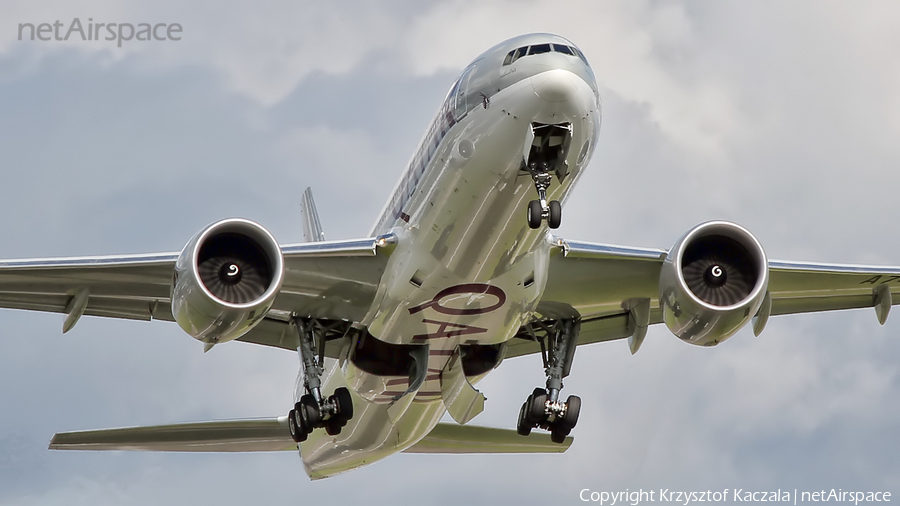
[555, 218]
[522, 426]
[309, 412]
[573, 408]
[292, 425]
[345, 405]
[558, 435]
[534, 214]
[537, 406]
[298, 432]
[333, 426]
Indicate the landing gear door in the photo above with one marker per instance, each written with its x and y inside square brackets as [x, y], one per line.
[529, 141]
[564, 134]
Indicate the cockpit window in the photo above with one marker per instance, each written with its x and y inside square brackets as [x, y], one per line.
[580, 55]
[520, 52]
[515, 54]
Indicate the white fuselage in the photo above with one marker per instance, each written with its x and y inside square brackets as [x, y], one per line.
[467, 269]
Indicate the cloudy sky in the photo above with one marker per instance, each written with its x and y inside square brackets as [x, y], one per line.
[783, 117]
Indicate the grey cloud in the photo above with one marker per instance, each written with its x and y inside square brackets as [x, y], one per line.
[102, 155]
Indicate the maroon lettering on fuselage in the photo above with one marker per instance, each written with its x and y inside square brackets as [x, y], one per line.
[451, 329]
[470, 288]
[460, 330]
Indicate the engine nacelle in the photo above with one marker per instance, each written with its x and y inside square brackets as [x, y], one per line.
[712, 282]
[226, 280]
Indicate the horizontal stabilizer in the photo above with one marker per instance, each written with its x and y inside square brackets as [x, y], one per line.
[272, 435]
[453, 438]
[253, 435]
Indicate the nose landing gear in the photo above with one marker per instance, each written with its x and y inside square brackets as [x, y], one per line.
[546, 149]
[543, 408]
[313, 410]
[540, 210]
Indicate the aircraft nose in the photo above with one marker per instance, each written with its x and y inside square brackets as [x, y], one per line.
[555, 85]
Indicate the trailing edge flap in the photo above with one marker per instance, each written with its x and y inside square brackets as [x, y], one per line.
[252, 435]
[461, 399]
[312, 228]
[452, 438]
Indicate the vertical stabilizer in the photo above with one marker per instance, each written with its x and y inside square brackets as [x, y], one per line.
[312, 229]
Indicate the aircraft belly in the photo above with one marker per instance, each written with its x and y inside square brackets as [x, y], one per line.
[466, 269]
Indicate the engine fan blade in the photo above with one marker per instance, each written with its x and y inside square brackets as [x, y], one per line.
[234, 269]
[721, 272]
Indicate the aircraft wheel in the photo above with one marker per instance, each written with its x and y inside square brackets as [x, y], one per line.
[344, 403]
[534, 214]
[523, 426]
[555, 218]
[309, 412]
[536, 406]
[333, 426]
[573, 408]
[298, 432]
[558, 434]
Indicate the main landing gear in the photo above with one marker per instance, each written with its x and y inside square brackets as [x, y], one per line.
[539, 210]
[543, 408]
[313, 410]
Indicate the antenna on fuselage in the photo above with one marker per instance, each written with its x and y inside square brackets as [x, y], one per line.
[312, 228]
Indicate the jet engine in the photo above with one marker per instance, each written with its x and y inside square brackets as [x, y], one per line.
[712, 282]
[226, 280]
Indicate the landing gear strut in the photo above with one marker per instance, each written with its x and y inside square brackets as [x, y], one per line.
[314, 410]
[539, 210]
[543, 408]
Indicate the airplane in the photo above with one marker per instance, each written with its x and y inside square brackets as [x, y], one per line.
[460, 271]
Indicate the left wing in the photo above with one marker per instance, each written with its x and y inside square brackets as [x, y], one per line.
[599, 282]
[326, 280]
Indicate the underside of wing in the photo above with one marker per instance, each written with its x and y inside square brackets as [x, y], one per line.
[596, 281]
[132, 286]
[334, 280]
[589, 280]
[798, 287]
[601, 285]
